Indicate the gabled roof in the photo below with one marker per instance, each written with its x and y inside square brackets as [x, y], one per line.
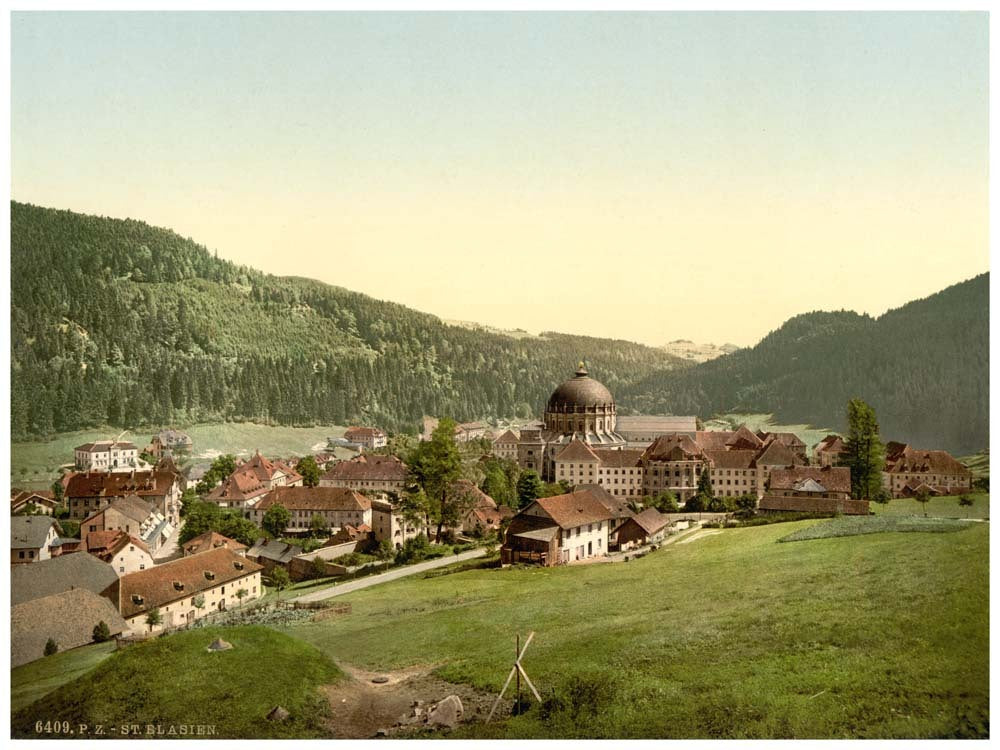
[617, 506]
[831, 444]
[577, 451]
[916, 461]
[619, 458]
[831, 478]
[744, 439]
[273, 549]
[732, 459]
[100, 446]
[31, 532]
[508, 437]
[650, 520]
[315, 498]
[713, 439]
[20, 498]
[68, 618]
[468, 490]
[186, 576]
[788, 439]
[120, 483]
[673, 448]
[776, 454]
[369, 467]
[60, 574]
[363, 432]
[656, 424]
[106, 544]
[573, 509]
[210, 540]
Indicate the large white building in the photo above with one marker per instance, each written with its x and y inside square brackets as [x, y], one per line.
[108, 455]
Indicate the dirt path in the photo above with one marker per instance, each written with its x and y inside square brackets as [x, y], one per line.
[699, 535]
[360, 708]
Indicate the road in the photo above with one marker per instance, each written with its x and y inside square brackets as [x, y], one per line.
[408, 570]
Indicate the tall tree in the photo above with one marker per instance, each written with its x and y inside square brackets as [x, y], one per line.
[529, 488]
[309, 470]
[436, 467]
[276, 520]
[864, 450]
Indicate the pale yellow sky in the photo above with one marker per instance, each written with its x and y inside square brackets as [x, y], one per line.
[648, 178]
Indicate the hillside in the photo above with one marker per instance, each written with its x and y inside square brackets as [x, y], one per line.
[120, 323]
[693, 352]
[924, 367]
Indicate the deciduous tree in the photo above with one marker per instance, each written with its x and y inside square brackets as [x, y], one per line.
[864, 450]
[276, 520]
[309, 470]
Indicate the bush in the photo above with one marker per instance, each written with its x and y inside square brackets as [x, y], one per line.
[413, 550]
[102, 632]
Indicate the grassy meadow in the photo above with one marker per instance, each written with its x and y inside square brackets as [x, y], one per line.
[174, 680]
[945, 506]
[730, 635]
[31, 681]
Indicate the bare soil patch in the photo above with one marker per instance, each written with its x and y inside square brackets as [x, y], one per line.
[360, 708]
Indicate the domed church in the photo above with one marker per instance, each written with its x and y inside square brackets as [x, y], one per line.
[581, 409]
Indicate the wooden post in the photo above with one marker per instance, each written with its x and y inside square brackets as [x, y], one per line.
[517, 656]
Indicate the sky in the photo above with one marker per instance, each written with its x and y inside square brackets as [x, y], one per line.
[643, 176]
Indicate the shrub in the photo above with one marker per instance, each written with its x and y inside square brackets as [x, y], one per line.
[102, 632]
[413, 550]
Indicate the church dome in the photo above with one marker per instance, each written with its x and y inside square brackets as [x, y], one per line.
[580, 392]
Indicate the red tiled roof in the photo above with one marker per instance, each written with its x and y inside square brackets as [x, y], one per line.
[713, 439]
[210, 540]
[619, 458]
[831, 444]
[120, 484]
[156, 586]
[651, 520]
[106, 544]
[577, 450]
[370, 467]
[574, 508]
[315, 498]
[673, 448]
[776, 454]
[743, 438]
[507, 437]
[914, 461]
[732, 459]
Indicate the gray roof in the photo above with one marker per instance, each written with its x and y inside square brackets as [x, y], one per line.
[273, 549]
[67, 618]
[542, 535]
[30, 532]
[651, 424]
[78, 570]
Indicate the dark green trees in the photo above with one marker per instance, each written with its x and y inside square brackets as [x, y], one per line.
[309, 470]
[865, 452]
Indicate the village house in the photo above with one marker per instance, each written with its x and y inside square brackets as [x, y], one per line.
[909, 471]
[646, 527]
[272, 553]
[464, 431]
[558, 530]
[251, 480]
[123, 552]
[811, 489]
[188, 589]
[89, 492]
[369, 474]
[33, 502]
[107, 455]
[33, 538]
[212, 540]
[830, 451]
[389, 524]
[135, 517]
[335, 505]
[68, 618]
[505, 446]
[618, 508]
[368, 438]
[168, 443]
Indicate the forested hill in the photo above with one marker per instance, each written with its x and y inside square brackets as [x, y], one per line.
[117, 322]
[924, 367]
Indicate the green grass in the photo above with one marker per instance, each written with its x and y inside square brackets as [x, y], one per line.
[29, 682]
[174, 680]
[35, 464]
[978, 463]
[858, 525]
[731, 635]
[938, 507]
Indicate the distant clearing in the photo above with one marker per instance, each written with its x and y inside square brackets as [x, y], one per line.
[856, 525]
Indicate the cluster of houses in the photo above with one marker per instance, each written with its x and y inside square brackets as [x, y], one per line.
[124, 568]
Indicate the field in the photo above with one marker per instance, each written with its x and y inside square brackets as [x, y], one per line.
[937, 507]
[34, 465]
[858, 525]
[176, 681]
[978, 463]
[731, 635]
[29, 682]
